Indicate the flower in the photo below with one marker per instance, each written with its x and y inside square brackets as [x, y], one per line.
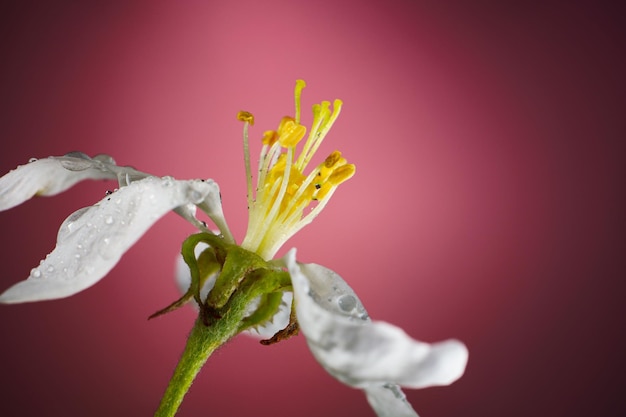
[236, 287]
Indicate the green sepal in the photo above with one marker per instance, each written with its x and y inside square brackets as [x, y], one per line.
[237, 265]
[268, 307]
[200, 269]
[205, 264]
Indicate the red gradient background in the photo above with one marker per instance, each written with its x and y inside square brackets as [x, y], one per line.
[488, 203]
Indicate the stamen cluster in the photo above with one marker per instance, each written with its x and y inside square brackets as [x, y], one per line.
[283, 191]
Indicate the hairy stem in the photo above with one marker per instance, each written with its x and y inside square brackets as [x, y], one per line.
[202, 342]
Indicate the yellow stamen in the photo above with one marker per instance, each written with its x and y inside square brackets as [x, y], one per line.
[283, 191]
[290, 132]
[245, 116]
[342, 174]
[300, 84]
[248, 119]
[269, 137]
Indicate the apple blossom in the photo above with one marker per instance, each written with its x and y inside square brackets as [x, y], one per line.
[236, 287]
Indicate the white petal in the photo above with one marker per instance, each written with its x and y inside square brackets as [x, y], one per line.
[357, 351]
[389, 401]
[212, 206]
[278, 322]
[92, 240]
[50, 176]
[183, 276]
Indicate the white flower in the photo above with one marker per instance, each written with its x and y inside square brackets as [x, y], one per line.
[370, 355]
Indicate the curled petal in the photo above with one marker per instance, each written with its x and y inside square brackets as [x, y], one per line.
[360, 352]
[183, 275]
[212, 206]
[91, 241]
[51, 176]
[278, 322]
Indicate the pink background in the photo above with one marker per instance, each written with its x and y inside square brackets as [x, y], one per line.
[488, 203]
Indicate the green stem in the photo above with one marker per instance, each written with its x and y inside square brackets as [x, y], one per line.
[202, 342]
[244, 277]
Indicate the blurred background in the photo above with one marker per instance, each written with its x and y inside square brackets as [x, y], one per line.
[488, 203]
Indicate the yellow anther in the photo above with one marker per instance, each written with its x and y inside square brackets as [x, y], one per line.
[283, 122]
[322, 191]
[245, 116]
[325, 110]
[269, 137]
[334, 159]
[337, 104]
[341, 174]
[290, 133]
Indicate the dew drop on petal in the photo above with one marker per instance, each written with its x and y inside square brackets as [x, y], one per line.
[79, 155]
[106, 251]
[50, 269]
[32, 160]
[76, 161]
[108, 220]
[35, 273]
[69, 225]
[347, 303]
[195, 196]
[167, 181]
[107, 159]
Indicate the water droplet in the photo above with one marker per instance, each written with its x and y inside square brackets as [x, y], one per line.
[76, 161]
[104, 158]
[31, 160]
[167, 181]
[195, 196]
[79, 155]
[77, 256]
[347, 303]
[108, 250]
[69, 226]
[108, 220]
[50, 268]
[35, 273]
